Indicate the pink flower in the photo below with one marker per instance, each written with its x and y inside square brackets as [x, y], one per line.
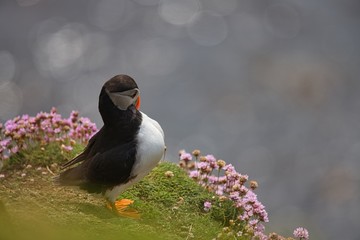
[301, 233]
[202, 165]
[4, 143]
[212, 161]
[260, 235]
[194, 174]
[22, 131]
[229, 167]
[186, 157]
[15, 149]
[234, 196]
[74, 116]
[210, 158]
[219, 191]
[253, 222]
[25, 117]
[66, 148]
[259, 227]
[207, 206]
[53, 110]
[32, 120]
[250, 196]
[213, 179]
[10, 125]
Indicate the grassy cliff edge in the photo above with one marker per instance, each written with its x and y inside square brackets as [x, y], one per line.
[171, 205]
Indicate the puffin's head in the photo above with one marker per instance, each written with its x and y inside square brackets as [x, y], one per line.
[123, 92]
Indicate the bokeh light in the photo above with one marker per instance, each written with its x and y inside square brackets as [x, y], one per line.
[82, 95]
[223, 8]
[97, 51]
[10, 100]
[110, 15]
[36, 91]
[299, 77]
[207, 28]
[7, 66]
[149, 56]
[178, 12]
[58, 53]
[282, 20]
[156, 23]
[157, 57]
[27, 3]
[337, 35]
[147, 2]
[248, 31]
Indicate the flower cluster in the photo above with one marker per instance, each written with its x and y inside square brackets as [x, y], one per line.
[221, 178]
[26, 131]
[227, 184]
[301, 233]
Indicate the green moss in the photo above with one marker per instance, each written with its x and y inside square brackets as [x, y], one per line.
[42, 155]
[170, 207]
[174, 204]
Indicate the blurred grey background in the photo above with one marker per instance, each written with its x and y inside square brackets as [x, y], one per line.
[270, 86]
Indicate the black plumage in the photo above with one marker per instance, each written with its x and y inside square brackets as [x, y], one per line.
[109, 157]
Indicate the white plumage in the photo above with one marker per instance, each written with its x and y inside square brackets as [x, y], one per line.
[151, 146]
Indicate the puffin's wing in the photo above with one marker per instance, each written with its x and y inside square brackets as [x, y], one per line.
[113, 166]
[103, 170]
[82, 156]
[75, 176]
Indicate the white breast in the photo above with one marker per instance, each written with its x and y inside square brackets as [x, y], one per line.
[151, 146]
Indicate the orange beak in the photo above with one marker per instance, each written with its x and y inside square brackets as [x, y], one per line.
[138, 102]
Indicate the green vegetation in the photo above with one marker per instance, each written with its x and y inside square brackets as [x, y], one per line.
[44, 155]
[32, 207]
[204, 198]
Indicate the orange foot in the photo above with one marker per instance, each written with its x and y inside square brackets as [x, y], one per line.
[121, 208]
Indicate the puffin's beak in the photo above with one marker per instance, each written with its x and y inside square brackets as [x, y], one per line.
[137, 104]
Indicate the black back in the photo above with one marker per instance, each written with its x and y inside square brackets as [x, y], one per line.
[108, 159]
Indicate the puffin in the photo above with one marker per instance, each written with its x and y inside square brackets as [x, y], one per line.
[126, 148]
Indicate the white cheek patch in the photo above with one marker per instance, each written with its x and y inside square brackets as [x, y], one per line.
[122, 99]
